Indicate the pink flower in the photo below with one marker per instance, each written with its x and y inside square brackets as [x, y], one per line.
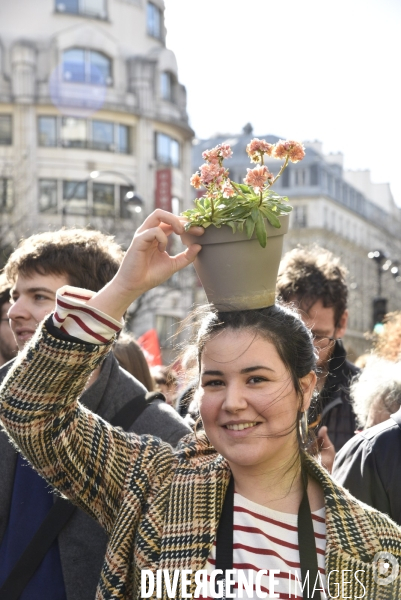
[216, 154]
[211, 172]
[294, 150]
[211, 156]
[257, 177]
[228, 189]
[226, 151]
[196, 181]
[257, 147]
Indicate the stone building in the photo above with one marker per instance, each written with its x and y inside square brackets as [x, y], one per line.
[93, 123]
[340, 210]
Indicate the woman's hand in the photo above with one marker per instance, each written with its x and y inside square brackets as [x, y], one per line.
[146, 263]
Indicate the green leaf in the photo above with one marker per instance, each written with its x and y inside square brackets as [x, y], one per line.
[272, 218]
[285, 209]
[243, 187]
[255, 214]
[233, 225]
[249, 227]
[261, 231]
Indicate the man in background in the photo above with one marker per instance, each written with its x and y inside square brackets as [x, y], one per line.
[36, 270]
[314, 280]
[8, 347]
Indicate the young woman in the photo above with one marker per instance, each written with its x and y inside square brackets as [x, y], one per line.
[241, 495]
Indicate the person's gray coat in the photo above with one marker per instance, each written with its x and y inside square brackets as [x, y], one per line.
[82, 542]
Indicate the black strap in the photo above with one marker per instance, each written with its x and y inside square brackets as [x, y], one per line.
[306, 543]
[61, 512]
[307, 547]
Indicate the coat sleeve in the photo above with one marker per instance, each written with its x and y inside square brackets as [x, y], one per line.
[356, 469]
[77, 452]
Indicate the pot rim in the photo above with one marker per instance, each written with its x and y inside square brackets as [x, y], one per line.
[224, 234]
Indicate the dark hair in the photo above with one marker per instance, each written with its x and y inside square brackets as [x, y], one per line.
[4, 290]
[88, 259]
[307, 275]
[130, 356]
[280, 325]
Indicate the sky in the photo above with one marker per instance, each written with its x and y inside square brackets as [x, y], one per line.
[298, 69]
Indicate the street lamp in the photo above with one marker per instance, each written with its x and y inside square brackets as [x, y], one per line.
[379, 305]
[395, 271]
[380, 259]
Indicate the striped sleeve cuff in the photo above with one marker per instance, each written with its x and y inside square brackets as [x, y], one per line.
[74, 318]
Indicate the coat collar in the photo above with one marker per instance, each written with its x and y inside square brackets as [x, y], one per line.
[344, 516]
[343, 511]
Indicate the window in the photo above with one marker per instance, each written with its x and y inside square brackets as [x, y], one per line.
[5, 130]
[123, 139]
[285, 179]
[154, 21]
[300, 177]
[314, 175]
[75, 197]
[166, 86]
[329, 184]
[89, 8]
[166, 327]
[6, 195]
[103, 135]
[48, 196]
[300, 217]
[84, 133]
[74, 132]
[167, 150]
[125, 208]
[103, 199]
[47, 131]
[86, 66]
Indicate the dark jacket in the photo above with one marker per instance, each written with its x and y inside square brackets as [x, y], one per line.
[369, 466]
[333, 404]
[82, 542]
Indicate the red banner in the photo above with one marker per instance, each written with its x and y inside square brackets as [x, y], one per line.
[149, 342]
[163, 189]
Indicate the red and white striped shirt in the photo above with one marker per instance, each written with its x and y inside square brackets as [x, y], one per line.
[268, 539]
[88, 324]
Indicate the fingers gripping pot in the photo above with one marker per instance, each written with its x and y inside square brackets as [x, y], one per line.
[236, 272]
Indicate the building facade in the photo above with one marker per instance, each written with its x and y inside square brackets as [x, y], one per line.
[340, 210]
[93, 123]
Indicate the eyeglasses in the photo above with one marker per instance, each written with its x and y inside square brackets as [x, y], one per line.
[323, 341]
[5, 319]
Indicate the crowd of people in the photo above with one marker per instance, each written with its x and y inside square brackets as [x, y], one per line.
[256, 450]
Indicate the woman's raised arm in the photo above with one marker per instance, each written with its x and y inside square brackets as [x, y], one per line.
[76, 451]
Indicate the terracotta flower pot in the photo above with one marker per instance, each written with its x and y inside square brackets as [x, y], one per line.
[236, 272]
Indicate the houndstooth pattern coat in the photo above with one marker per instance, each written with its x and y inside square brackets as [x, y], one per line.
[160, 507]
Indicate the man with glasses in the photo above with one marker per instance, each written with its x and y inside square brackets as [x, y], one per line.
[313, 279]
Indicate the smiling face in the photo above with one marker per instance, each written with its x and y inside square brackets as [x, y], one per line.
[32, 298]
[248, 402]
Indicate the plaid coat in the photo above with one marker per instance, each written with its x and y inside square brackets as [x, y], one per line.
[160, 507]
